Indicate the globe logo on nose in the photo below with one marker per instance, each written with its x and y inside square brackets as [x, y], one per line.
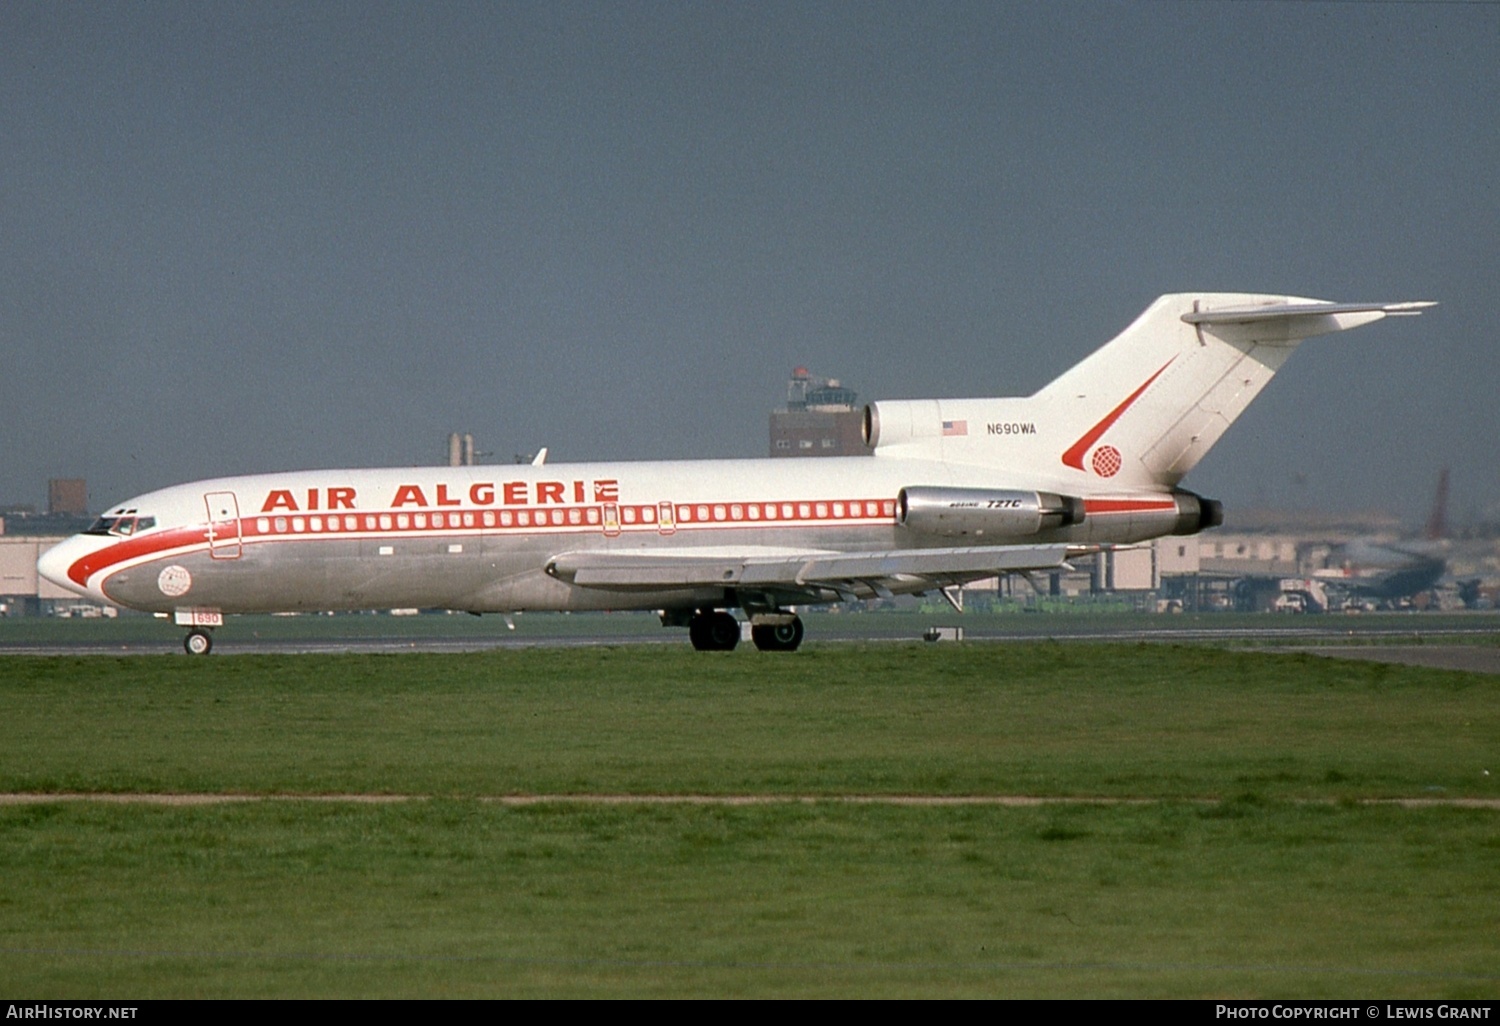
[174, 581]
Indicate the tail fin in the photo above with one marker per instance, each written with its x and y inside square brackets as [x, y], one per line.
[1193, 363]
[1437, 520]
[1141, 411]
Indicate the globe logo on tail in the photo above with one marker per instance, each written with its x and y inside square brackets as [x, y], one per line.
[1106, 461]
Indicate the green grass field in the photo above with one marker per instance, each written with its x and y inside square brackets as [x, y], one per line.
[1252, 868]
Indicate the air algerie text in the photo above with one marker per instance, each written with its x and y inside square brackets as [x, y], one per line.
[480, 493]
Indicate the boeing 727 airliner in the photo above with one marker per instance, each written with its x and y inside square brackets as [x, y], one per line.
[959, 489]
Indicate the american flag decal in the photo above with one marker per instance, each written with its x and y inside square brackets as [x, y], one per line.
[955, 427]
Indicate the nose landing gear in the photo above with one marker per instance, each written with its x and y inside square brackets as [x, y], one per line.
[198, 620]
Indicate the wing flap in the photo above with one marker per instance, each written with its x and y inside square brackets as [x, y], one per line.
[686, 569]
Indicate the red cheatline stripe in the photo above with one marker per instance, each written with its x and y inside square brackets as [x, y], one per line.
[1092, 507]
[384, 522]
[187, 537]
[1074, 456]
[131, 548]
[370, 523]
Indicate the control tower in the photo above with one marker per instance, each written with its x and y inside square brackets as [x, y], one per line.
[821, 418]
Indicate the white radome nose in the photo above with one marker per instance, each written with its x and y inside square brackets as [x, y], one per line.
[54, 563]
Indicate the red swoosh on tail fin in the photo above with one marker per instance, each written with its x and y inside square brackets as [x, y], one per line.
[1074, 456]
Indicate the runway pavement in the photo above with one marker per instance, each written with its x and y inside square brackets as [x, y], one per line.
[1443, 641]
[1469, 658]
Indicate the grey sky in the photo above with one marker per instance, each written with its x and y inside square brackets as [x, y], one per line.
[238, 238]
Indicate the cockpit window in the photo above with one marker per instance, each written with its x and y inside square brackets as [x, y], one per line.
[104, 525]
[121, 527]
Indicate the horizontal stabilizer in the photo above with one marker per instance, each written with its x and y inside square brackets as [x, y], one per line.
[1287, 322]
[1251, 314]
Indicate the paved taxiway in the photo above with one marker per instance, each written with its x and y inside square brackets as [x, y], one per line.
[1453, 646]
[1469, 658]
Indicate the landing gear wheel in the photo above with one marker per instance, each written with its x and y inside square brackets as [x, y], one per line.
[778, 637]
[198, 642]
[714, 632]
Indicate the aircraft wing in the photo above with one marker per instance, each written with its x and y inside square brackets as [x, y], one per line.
[907, 570]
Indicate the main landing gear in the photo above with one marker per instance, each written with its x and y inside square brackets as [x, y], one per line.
[778, 637]
[713, 632]
[719, 632]
[198, 642]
